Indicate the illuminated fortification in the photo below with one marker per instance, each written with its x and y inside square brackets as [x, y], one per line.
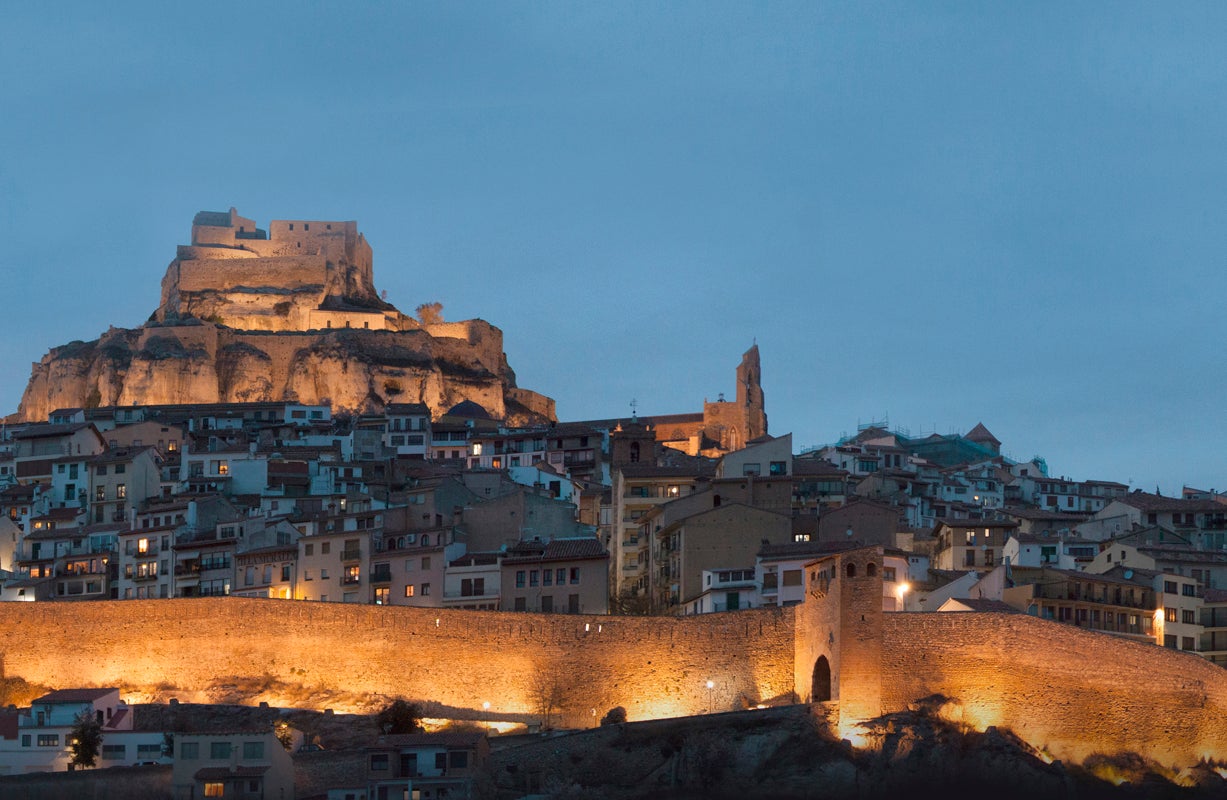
[290, 313]
[1070, 691]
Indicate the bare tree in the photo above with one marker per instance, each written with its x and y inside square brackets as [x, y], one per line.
[549, 694]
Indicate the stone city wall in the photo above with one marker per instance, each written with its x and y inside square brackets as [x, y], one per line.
[1072, 691]
[282, 272]
[196, 648]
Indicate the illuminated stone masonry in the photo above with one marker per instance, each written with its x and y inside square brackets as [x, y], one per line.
[1064, 690]
[292, 313]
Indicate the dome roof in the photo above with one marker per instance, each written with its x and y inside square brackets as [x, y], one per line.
[468, 410]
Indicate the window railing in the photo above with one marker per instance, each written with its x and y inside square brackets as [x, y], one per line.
[351, 554]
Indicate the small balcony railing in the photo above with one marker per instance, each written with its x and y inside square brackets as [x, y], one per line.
[351, 554]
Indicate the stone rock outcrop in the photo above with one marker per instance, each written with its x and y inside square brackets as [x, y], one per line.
[243, 319]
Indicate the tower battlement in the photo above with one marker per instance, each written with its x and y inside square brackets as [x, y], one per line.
[278, 279]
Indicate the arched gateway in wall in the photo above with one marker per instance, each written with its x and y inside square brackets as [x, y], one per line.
[820, 690]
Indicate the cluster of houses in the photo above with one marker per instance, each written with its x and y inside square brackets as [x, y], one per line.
[281, 500]
[231, 761]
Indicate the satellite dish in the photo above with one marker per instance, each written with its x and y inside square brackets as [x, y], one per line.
[1128, 574]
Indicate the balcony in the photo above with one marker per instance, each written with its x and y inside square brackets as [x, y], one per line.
[69, 571]
[187, 569]
[351, 554]
[381, 576]
[145, 578]
[351, 580]
[459, 595]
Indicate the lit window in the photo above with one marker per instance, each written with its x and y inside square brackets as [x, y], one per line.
[215, 789]
[409, 590]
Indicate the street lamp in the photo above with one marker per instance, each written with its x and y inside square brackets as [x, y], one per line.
[903, 589]
[710, 686]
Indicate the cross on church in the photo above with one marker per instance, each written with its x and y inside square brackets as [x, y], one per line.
[634, 407]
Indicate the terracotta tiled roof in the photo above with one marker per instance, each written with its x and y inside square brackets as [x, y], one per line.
[642, 470]
[810, 467]
[555, 550]
[114, 722]
[1038, 514]
[1155, 502]
[72, 696]
[392, 409]
[791, 550]
[41, 431]
[118, 454]
[983, 604]
[981, 434]
[451, 739]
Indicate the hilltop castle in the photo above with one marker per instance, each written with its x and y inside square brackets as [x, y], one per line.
[290, 313]
[298, 275]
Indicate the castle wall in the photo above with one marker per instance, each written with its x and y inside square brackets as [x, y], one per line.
[372, 320]
[535, 402]
[473, 331]
[284, 272]
[1071, 691]
[653, 667]
[1076, 692]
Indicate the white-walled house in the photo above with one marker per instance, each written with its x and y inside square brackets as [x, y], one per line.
[725, 590]
[1063, 552]
[43, 733]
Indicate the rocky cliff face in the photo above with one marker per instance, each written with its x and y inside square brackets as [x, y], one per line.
[351, 370]
[270, 333]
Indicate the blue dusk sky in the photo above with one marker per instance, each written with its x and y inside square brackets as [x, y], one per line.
[932, 213]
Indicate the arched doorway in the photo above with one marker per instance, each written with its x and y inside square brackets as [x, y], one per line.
[821, 690]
